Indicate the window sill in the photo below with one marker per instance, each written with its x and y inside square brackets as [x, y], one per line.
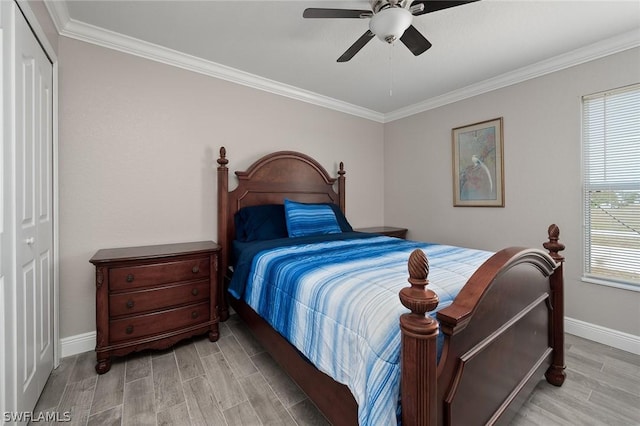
[610, 283]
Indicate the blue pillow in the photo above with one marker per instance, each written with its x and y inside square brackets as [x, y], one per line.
[310, 219]
[342, 220]
[256, 223]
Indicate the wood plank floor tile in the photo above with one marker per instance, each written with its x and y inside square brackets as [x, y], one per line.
[307, 414]
[578, 358]
[224, 330]
[205, 347]
[84, 367]
[176, 415]
[242, 414]
[166, 380]
[224, 383]
[267, 405]
[623, 404]
[627, 357]
[621, 367]
[237, 358]
[578, 412]
[284, 387]
[109, 388]
[77, 398]
[532, 414]
[189, 363]
[78, 418]
[244, 336]
[201, 401]
[54, 388]
[138, 366]
[139, 403]
[595, 378]
[110, 417]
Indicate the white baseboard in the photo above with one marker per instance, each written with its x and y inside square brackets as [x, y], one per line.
[607, 336]
[86, 342]
[78, 344]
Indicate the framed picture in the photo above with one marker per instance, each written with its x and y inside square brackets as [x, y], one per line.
[478, 176]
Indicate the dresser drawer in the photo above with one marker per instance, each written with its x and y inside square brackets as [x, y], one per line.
[159, 273]
[158, 322]
[158, 298]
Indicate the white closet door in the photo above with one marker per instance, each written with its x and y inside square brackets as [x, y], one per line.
[33, 215]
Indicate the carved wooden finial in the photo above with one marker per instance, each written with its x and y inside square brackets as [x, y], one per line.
[417, 297]
[553, 245]
[222, 161]
[341, 171]
[418, 268]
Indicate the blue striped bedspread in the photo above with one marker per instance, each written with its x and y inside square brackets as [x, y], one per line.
[337, 303]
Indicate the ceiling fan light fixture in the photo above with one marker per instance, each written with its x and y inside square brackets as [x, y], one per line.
[389, 24]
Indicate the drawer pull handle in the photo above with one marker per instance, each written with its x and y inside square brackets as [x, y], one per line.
[195, 269]
[130, 278]
[194, 314]
[130, 304]
[129, 329]
[194, 291]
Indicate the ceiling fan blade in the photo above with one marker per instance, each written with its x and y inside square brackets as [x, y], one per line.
[314, 12]
[435, 5]
[355, 47]
[415, 41]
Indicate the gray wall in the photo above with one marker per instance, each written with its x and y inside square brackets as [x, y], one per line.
[542, 159]
[138, 142]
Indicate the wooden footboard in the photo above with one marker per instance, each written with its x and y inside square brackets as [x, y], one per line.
[502, 332]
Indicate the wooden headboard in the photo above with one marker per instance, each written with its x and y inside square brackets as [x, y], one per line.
[271, 179]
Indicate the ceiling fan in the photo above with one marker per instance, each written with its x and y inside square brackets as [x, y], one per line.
[389, 20]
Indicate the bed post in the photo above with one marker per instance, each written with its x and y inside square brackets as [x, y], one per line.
[419, 346]
[341, 187]
[555, 374]
[223, 236]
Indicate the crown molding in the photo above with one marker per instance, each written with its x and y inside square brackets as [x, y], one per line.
[598, 50]
[95, 35]
[99, 36]
[58, 12]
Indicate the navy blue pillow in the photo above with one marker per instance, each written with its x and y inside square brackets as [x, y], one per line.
[265, 222]
[310, 219]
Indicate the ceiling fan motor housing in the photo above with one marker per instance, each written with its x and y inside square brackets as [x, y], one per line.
[389, 24]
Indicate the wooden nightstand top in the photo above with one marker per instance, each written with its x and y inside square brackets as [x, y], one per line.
[152, 252]
[390, 231]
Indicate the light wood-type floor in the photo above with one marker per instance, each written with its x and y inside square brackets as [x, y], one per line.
[234, 382]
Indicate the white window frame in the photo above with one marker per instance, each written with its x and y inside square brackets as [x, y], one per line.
[596, 179]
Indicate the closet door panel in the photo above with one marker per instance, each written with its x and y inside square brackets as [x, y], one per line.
[34, 226]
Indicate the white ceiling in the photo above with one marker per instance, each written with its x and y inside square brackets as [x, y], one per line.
[267, 44]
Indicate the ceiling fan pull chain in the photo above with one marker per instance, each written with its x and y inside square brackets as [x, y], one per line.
[391, 69]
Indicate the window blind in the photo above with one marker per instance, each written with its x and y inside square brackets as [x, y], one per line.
[611, 153]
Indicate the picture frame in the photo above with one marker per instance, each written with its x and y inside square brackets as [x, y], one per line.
[478, 164]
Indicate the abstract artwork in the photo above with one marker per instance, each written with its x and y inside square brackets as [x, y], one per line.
[478, 178]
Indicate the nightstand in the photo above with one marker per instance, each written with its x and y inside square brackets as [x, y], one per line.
[151, 297]
[389, 231]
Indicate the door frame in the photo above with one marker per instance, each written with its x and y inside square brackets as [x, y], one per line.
[6, 393]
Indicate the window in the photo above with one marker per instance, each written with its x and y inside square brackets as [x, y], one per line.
[611, 153]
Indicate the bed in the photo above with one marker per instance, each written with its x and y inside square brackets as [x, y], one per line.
[475, 361]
